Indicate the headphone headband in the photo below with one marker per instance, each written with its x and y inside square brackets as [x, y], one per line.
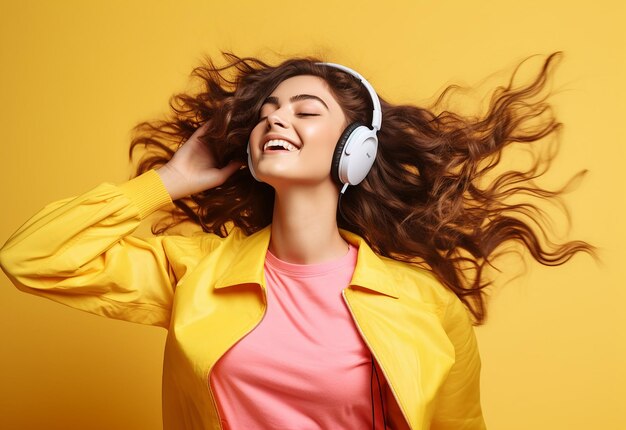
[377, 115]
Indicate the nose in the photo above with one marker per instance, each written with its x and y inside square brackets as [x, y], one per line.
[277, 120]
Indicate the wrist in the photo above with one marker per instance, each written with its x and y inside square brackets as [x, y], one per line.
[147, 192]
[172, 182]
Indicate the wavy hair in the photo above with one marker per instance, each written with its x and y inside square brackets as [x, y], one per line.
[432, 197]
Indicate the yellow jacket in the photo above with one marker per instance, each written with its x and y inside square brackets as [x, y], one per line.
[210, 291]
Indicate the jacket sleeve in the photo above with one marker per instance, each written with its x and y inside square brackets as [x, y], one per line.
[79, 252]
[458, 403]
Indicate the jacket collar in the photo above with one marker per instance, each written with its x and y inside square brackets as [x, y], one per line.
[247, 264]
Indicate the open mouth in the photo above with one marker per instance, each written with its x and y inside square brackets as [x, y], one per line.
[279, 145]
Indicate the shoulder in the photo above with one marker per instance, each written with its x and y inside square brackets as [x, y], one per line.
[412, 279]
[235, 243]
[417, 284]
[414, 286]
[194, 244]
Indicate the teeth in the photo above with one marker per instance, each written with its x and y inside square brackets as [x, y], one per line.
[282, 143]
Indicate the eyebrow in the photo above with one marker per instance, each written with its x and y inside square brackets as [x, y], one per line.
[274, 100]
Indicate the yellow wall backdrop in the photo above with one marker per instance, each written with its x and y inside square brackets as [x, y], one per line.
[75, 77]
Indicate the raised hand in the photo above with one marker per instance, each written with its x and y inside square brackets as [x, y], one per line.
[192, 169]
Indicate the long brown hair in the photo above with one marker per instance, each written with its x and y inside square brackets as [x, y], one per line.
[428, 199]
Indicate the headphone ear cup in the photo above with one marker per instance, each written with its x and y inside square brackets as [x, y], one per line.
[250, 168]
[357, 155]
[337, 156]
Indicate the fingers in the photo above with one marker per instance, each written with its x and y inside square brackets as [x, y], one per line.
[199, 132]
[231, 168]
[220, 175]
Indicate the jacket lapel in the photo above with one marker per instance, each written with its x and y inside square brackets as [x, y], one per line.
[246, 266]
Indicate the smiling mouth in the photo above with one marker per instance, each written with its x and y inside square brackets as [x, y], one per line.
[279, 145]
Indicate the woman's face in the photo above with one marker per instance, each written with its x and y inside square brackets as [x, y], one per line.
[298, 129]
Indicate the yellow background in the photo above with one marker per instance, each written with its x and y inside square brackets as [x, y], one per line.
[75, 77]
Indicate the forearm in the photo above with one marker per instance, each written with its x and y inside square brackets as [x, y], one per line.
[80, 252]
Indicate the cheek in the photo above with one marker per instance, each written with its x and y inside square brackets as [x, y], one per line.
[322, 135]
[321, 145]
[255, 137]
[255, 133]
[332, 139]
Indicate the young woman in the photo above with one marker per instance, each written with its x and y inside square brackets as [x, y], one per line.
[313, 298]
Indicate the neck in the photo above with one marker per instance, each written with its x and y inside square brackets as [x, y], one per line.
[304, 225]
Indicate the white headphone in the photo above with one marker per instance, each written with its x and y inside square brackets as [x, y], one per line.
[356, 149]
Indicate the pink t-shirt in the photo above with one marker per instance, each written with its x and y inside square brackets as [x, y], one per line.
[305, 366]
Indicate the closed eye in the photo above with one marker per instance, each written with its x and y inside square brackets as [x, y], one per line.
[263, 118]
